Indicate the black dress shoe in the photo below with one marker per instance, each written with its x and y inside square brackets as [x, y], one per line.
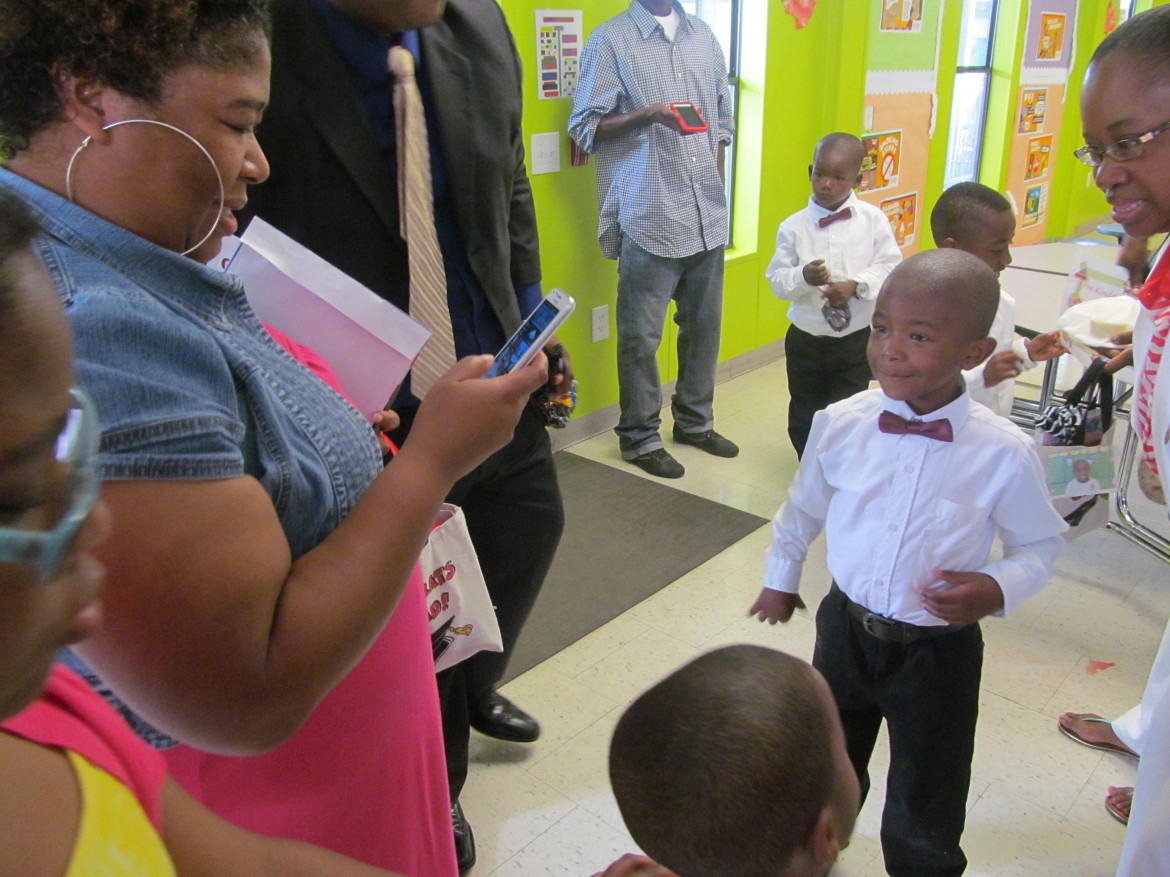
[464, 839]
[502, 719]
[660, 464]
[708, 440]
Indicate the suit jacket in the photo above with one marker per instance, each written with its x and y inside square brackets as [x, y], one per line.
[331, 189]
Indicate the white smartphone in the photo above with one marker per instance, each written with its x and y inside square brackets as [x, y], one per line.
[533, 333]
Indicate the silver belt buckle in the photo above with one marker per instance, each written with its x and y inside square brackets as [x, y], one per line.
[871, 621]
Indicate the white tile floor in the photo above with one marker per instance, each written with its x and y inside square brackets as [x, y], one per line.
[1036, 803]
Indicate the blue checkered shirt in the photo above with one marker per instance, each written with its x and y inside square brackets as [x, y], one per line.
[657, 186]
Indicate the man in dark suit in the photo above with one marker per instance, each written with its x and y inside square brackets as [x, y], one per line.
[329, 136]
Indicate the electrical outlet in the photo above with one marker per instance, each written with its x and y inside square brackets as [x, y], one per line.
[600, 316]
[546, 153]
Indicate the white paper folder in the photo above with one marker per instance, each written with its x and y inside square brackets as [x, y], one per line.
[369, 343]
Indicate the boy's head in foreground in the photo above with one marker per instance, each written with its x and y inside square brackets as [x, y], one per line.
[736, 764]
[836, 169]
[977, 219]
[44, 496]
[930, 323]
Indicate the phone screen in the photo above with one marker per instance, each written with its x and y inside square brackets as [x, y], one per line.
[689, 115]
[520, 343]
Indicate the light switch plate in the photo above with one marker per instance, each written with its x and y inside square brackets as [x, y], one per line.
[546, 153]
[600, 315]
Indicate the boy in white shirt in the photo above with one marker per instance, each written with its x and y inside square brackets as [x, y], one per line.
[979, 220]
[831, 259]
[912, 484]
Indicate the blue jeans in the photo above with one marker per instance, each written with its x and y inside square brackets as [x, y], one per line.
[646, 285]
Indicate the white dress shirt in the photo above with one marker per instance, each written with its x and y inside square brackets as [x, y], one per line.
[1003, 330]
[895, 508]
[861, 248]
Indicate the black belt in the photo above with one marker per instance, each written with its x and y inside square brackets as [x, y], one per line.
[889, 630]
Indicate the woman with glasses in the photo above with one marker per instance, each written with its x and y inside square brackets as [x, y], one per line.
[261, 548]
[1125, 108]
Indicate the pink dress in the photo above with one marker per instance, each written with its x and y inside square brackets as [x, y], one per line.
[366, 774]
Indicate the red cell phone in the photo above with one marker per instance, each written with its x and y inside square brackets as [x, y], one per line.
[689, 117]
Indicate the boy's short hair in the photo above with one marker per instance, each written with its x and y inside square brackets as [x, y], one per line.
[843, 142]
[724, 766]
[18, 227]
[963, 281]
[958, 210]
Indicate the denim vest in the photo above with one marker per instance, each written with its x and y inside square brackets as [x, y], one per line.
[189, 385]
[187, 382]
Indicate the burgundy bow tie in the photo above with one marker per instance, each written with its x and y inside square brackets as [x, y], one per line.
[826, 221]
[939, 430]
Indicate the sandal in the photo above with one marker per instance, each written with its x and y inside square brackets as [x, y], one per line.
[1121, 749]
[1118, 796]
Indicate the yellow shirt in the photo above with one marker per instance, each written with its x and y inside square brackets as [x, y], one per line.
[115, 837]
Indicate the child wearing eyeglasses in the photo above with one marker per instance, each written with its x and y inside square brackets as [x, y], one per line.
[80, 793]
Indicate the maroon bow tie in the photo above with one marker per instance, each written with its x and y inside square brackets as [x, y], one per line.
[939, 430]
[826, 221]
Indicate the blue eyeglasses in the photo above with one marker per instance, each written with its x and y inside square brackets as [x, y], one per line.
[77, 450]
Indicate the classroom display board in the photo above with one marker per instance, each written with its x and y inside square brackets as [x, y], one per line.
[900, 106]
[1049, 44]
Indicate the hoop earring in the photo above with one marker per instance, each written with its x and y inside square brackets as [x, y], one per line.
[219, 179]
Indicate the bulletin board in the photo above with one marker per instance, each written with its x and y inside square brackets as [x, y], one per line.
[1048, 52]
[894, 169]
[899, 113]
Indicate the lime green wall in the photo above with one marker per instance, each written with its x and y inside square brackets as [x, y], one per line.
[796, 86]
[785, 106]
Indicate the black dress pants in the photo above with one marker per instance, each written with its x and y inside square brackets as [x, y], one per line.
[821, 370]
[515, 517]
[928, 693]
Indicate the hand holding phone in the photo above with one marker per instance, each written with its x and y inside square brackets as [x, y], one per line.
[533, 333]
[690, 119]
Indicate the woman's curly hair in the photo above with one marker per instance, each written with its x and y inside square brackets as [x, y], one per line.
[129, 45]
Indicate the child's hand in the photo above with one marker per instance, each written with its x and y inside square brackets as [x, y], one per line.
[972, 595]
[838, 294]
[1003, 366]
[772, 606]
[816, 274]
[1045, 347]
[631, 865]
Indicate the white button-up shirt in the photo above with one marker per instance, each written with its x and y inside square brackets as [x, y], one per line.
[895, 508]
[861, 248]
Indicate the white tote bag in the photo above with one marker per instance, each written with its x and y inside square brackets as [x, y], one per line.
[462, 618]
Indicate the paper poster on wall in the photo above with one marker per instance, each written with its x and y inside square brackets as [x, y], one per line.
[1039, 155]
[1050, 45]
[1033, 105]
[883, 157]
[901, 16]
[558, 51]
[1035, 205]
[902, 212]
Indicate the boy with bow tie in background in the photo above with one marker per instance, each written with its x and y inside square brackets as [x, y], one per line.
[831, 259]
[912, 484]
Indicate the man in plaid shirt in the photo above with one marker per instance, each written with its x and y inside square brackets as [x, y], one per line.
[663, 212]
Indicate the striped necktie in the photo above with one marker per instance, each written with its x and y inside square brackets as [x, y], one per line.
[416, 212]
